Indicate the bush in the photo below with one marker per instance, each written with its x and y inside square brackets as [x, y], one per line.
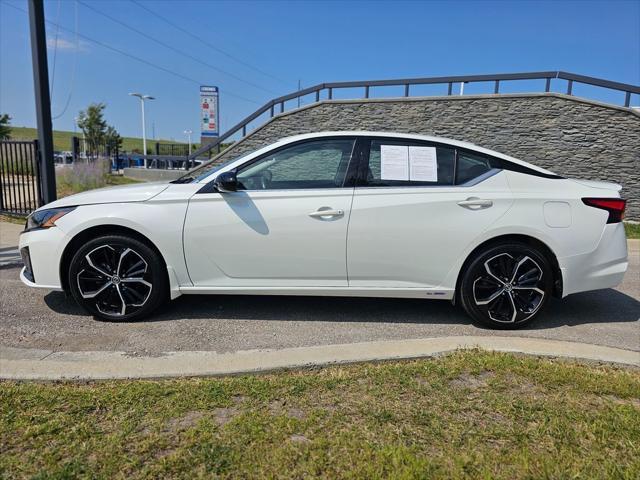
[83, 176]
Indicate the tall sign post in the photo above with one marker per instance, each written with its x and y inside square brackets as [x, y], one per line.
[209, 114]
[43, 101]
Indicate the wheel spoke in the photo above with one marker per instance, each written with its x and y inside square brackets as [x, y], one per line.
[92, 265]
[488, 269]
[122, 255]
[124, 304]
[535, 289]
[516, 268]
[136, 280]
[514, 314]
[481, 286]
[97, 292]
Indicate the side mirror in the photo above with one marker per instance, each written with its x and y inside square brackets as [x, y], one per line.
[226, 182]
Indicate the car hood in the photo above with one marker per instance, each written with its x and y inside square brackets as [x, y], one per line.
[138, 192]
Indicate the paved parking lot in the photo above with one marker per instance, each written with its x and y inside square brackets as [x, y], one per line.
[47, 320]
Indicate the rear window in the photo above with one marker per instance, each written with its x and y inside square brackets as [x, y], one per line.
[471, 166]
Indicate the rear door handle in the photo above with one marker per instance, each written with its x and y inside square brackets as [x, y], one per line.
[326, 213]
[475, 203]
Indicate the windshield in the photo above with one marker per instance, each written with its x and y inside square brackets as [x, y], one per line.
[203, 171]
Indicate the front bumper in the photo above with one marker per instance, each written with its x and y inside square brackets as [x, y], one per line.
[604, 267]
[44, 252]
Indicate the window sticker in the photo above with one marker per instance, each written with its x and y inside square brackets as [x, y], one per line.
[423, 165]
[394, 162]
[417, 164]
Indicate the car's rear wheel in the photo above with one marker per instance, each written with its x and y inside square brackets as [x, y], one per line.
[118, 278]
[506, 285]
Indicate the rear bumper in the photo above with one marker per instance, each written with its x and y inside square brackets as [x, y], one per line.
[601, 268]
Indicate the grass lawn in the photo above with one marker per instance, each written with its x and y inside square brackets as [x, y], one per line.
[632, 230]
[471, 414]
[64, 190]
[62, 139]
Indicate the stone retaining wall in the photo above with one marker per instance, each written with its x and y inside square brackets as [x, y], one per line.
[571, 136]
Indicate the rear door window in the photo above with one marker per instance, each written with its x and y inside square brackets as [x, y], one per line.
[396, 163]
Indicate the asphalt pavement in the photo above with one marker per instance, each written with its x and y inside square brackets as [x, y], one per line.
[39, 319]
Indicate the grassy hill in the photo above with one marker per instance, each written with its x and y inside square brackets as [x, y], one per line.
[62, 139]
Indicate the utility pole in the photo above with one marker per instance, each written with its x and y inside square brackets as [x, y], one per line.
[144, 128]
[43, 100]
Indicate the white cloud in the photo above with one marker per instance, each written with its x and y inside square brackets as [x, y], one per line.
[66, 45]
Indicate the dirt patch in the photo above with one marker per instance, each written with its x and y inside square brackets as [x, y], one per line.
[635, 402]
[238, 399]
[279, 407]
[473, 382]
[163, 452]
[188, 420]
[299, 439]
[222, 416]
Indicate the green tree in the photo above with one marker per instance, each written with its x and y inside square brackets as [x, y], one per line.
[113, 139]
[91, 122]
[5, 127]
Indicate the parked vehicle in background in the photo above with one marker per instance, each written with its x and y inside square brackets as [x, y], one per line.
[337, 214]
[63, 157]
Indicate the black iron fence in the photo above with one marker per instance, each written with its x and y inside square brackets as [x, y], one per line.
[325, 91]
[20, 191]
[82, 149]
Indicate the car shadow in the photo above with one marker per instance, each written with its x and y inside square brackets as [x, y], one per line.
[592, 307]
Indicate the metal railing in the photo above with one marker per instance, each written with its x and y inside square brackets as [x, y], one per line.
[277, 105]
[20, 189]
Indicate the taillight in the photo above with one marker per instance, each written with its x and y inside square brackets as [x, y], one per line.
[615, 207]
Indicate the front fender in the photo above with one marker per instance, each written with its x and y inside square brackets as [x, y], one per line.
[161, 224]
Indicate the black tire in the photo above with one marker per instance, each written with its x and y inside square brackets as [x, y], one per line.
[118, 278]
[506, 286]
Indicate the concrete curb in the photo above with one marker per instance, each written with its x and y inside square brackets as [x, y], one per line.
[30, 364]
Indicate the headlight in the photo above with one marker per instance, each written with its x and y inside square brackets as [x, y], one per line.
[46, 218]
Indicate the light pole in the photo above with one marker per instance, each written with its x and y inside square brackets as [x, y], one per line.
[144, 132]
[188, 134]
[84, 140]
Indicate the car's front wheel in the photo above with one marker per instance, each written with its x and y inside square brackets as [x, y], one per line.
[118, 278]
[506, 285]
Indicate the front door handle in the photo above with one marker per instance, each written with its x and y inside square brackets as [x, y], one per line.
[327, 212]
[475, 203]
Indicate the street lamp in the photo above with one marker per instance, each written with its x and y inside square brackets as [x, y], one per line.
[188, 134]
[144, 132]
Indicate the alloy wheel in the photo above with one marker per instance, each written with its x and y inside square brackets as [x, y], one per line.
[116, 278]
[510, 290]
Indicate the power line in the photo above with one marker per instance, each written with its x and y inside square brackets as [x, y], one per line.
[172, 48]
[141, 60]
[55, 52]
[75, 64]
[217, 49]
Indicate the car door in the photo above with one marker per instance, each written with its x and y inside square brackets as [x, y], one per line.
[409, 227]
[286, 225]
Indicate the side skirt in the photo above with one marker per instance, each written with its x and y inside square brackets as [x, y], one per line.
[439, 294]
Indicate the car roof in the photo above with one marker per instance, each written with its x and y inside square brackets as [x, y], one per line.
[410, 136]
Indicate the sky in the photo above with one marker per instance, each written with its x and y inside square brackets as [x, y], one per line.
[258, 50]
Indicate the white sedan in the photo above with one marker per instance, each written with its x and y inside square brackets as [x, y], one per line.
[357, 214]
